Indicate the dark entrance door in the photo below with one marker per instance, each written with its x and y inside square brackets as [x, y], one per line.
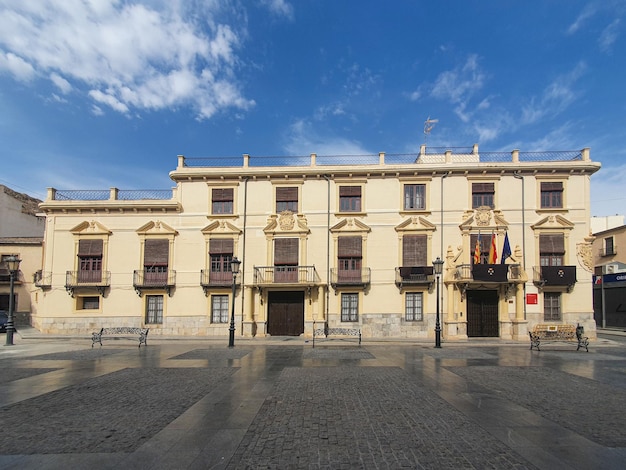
[482, 313]
[285, 313]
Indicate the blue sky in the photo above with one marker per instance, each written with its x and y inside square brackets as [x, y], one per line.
[104, 93]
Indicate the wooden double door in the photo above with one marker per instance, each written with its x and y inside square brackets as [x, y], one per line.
[482, 313]
[285, 313]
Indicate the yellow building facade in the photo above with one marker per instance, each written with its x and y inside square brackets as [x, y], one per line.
[329, 242]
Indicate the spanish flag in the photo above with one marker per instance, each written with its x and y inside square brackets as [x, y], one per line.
[493, 251]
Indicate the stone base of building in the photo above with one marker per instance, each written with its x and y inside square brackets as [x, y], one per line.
[519, 330]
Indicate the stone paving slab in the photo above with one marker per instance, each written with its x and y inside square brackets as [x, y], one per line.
[214, 354]
[365, 417]
[337, 352]
[10, 374]
[594, 410]
[116, 412]
[78, 355]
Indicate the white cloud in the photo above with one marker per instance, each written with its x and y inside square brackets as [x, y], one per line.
[609, 35]
[279, 8]
[587, 13]
[556, 97]
[61, 83]
[303, 139]
[148, 55]
[15, 65]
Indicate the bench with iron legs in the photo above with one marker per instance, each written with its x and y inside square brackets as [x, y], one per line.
[327, 332]
[544, 333]
[121, 332]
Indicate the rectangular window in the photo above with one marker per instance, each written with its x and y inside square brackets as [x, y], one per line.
[483, 195]
[222, 201]
[414, 250]
[350, 198]
[552, 194]
[154, 309]
[551, 249]
[286, 199]
[414, 196]
[349, 254]
[414, 306]
[88, 303]
[286, 260]
[90, 261]
[552, 306]
[609, 246]
[5, 274]
[221, 253]
[219, 309]
[350, 307]
[155, 261]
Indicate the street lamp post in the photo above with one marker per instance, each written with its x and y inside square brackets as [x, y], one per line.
[234, 267]
[438, 265]
[13, 263]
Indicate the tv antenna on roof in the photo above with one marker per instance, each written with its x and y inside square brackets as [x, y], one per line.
[428, 127]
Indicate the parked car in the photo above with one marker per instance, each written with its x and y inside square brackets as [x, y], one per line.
[4, 318]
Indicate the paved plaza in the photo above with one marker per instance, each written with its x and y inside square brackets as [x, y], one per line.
[281, 403]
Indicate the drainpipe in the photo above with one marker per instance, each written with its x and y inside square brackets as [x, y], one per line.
[445, 175]
[327, 255]
[517, 175]
[243, 267]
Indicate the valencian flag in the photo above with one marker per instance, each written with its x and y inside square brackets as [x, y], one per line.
[493, 251]
[506, 248]
[477, 250]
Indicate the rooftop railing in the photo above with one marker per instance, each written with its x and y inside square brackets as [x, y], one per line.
[112, 194]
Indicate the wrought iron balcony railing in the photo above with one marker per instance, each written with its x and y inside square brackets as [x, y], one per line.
[608, 251]
[146, 279]
[350, 277]
[414, 275]
[267, 275]
[87, 279]
[564, 276]
[212, 280]
[42, 279]
[501, 273]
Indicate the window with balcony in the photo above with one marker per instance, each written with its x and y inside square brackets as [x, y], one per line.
[5, 274]
[286, 260]
[219, 309]
[154, 309]
[551, 249]
[90, 261]
[552, 306]
[350, 199]
[155, 262]
[349, 254]
[222, 201]
[552, 195]
[349, 307]
[414, 197]
[414, 306]
[483, 195]
[286, 199]
[609, 246]
[221, 253]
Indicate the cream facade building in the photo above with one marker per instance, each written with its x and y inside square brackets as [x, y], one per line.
[329, 242]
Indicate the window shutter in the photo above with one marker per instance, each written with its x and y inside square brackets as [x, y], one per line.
[156, 252]
[552, 186]
[414, 250]
[220, 246]
[89, 248]
[286, 251]
[349, 191]
[222, 194]
[286, 194]
[483, 188]
[553, 243]
[349, 247]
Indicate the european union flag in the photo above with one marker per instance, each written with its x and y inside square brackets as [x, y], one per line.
[506, 249]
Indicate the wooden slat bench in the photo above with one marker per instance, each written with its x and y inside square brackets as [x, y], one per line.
[543, 333]
[326, 332]
[121, 332]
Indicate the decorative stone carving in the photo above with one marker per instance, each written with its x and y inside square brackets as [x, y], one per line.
[483, 216]
[585, 254]
[286, 220]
